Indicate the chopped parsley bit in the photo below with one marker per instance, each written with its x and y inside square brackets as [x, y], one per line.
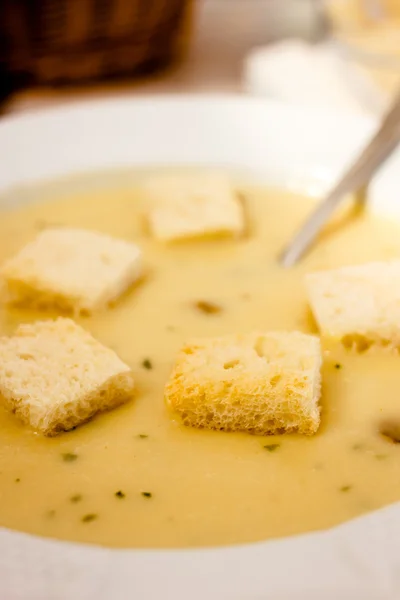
[143, 436]
[40, 224]
[208, 308]
[345, 488]
[76, 498]
[381, 456]
[69, 456]
[89, 518]
[338, 366]
[120, 494]
[17, 480]
[147, 364]
[358, 446]
[147, 494]
[272, 447]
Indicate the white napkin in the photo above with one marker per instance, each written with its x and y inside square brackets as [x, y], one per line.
[314, 75]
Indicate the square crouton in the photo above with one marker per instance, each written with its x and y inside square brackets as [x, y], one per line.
[359, 305]
[191, 206]
[262, 383]
[71, 269]
[54, 375]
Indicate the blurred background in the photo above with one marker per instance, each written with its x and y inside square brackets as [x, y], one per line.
[336, 54]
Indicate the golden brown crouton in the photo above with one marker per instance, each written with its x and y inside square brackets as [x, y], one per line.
[262, 383]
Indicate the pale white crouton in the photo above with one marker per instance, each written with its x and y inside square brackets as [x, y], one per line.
[71, 269]
[54, 375]
[359, 305]
[188, 206]
[262, 383]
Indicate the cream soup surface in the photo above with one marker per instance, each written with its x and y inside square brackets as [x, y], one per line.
[135, 477]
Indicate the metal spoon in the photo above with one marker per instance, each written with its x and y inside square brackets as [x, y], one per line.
[377, 151]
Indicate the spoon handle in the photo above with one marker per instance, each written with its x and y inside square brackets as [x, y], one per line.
[360, 173]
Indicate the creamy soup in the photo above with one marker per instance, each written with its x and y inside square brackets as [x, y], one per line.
[135, 477]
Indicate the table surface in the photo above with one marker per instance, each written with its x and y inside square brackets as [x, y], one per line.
[224, 32]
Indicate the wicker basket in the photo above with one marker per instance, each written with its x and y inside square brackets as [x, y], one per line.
[70, 41]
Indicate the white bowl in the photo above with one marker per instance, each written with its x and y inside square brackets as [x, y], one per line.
[272, 142]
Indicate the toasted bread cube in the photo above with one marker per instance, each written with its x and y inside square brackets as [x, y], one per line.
[191, 206]
[71, 269]
[262, 383]
[359, 305]
[54, 375]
